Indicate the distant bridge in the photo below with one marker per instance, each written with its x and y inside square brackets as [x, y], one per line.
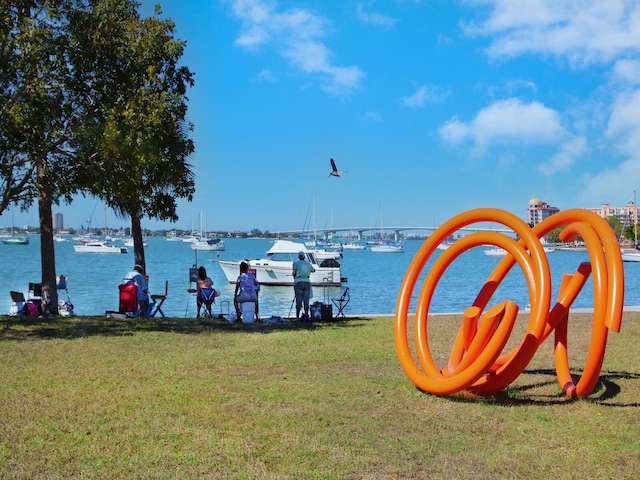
[327, 233]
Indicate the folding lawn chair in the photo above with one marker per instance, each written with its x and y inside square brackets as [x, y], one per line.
[206, 297]
[65, 307]
[342, 302]
[157, 307]
[17, 303]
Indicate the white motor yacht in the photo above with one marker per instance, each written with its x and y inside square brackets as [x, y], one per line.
[277, 267]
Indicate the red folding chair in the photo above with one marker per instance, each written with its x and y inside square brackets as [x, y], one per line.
[128, 298]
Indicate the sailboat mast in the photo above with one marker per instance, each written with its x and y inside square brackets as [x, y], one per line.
[635, 220]
[315, 227]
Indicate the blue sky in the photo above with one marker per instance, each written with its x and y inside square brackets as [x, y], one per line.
[432, 108]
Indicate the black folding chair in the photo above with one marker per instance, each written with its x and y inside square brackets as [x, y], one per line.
[17, 303]
[35, 291]
[158, 300]
[342, 302]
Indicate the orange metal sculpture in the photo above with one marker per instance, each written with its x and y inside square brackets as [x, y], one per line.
[477, 361]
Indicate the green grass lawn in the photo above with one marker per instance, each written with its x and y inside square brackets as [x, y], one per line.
[178, 398]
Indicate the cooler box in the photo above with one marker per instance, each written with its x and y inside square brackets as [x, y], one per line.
[327, 312]
[248, 310]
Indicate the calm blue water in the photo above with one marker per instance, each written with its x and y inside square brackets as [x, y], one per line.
[374, 278]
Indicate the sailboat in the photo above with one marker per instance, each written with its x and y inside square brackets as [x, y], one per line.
[632, 254]
[13, 239]
[318, 248]
[100, 246]
[203, 243]
[382, 245]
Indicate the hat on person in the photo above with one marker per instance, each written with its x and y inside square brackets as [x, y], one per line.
[301, 254]
[137, 267]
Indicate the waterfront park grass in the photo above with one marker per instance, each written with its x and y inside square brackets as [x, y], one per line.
[101, 398]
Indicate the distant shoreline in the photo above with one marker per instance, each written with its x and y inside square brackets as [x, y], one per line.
[626, 308]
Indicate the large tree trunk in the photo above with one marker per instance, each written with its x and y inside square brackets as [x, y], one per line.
[138, 247]
[47, 252]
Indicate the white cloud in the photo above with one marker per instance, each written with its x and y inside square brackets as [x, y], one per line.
[422, 94]
[507, 122]
[623, 130]
[266, 75]
[375, 116]
[627, 71]
[454, 131]
[624, 123]
[584, 32]
[612, 183]
[374, 18]
[296, 34]
[562, 161]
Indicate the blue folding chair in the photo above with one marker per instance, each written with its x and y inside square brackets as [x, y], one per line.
[342, 302]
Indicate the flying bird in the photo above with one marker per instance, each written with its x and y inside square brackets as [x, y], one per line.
[334, 170]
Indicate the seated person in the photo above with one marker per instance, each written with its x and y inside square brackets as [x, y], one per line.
[136, 277]
[247, 287]
[205, 293]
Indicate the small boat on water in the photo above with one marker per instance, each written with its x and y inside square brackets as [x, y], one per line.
[495, 252]
[172, 236]
[99, 246]
[630, 254]
[501, 252]
[353, 246]
[276, 267]
[386, 247]
[12, 238]
[383, 244]
[208, 244]
[129, 243]
[15, 240]
[321, 252]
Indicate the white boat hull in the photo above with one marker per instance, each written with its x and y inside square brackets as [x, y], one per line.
[630, 255]
[277, 268]
[326, 255]
[281, 275]
[129, 243]
[99, 247]
[208, 245]
[353, 246]
[495, 252]
[501, 252]
[15, 240]
[387, 248]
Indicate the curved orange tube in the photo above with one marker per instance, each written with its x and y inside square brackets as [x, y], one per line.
[475, 362]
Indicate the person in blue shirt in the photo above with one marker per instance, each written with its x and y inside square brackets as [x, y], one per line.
[247, 288]
[302, 269]
[136, 276]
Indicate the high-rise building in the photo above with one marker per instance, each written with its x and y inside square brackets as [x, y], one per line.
[538, 211]
[58, 223]
[627, 215]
